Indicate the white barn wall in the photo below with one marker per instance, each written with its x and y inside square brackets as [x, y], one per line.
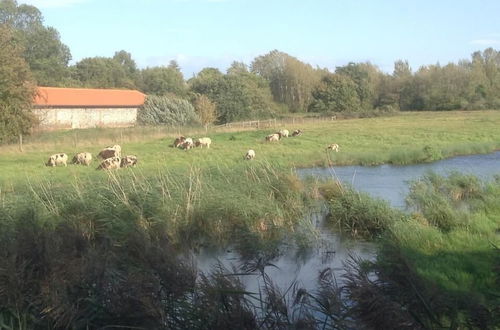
[61, 118]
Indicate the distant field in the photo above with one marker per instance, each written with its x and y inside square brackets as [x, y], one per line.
[405, 138]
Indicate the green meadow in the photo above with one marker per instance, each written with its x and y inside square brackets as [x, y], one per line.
[403, 139]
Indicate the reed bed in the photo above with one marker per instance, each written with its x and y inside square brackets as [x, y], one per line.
[437, 265]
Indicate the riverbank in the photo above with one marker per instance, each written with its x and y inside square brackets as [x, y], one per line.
[440, 262]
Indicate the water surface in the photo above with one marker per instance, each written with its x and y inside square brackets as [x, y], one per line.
[388, 182]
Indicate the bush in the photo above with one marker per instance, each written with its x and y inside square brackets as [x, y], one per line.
[165, 110]
[357, 213]
[445, 202]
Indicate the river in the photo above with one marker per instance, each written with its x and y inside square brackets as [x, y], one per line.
[388, 182]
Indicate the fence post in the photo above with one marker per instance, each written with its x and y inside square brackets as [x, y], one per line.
[21, 142]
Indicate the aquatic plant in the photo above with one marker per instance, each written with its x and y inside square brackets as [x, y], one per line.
[357, 213]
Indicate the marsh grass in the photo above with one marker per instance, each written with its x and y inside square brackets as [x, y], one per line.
[356, 213]
[202, 206]
[450, 244]
[93, 253]
[437, 266]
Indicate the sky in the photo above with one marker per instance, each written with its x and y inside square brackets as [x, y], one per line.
[324, 33]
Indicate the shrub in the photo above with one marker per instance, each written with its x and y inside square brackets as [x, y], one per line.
[165, 110]
[357, 213]
[445, 202]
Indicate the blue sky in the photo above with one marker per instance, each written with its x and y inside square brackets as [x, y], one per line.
[327, 33]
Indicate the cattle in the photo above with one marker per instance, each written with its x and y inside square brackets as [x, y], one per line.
[203, 142]
[250, 154]
[297, 132]
[273, 137]
[110, 164]
[333, 146]
[57, 159]
[187, 144]
[110, 152]
[82, 158]
[129, 160]
[179, 141]
[284, 133]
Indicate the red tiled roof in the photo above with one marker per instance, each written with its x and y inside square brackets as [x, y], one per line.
[86, 97]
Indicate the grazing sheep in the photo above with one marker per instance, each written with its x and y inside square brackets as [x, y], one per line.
[273, 137]
[203, 142]
[57, 159]
[187, 144]
[179, 141]
[250, 154]
[284, 133]
[82, 158]
[110, 152]
[297, 132]
[129, 160]
[110, 164]
[333, 146]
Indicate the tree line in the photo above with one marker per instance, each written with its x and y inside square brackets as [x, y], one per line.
[272, 84]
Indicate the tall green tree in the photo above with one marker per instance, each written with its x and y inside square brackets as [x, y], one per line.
[163, 81]
[46, 55]
[406, 87]
[291, 81]
[485, 78]
[337, 93]
[128, 64]
[17, 88]
[238, 96]
[237, 68]
[102, 72]
[366, 77]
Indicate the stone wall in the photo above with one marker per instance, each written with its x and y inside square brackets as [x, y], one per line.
[63, 118]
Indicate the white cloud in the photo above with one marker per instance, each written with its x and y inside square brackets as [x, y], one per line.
[485, 42]
[51, 3]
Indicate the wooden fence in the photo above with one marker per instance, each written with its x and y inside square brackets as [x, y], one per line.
[76, 138]
[274, 123]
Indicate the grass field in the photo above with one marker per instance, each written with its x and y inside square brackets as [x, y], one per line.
[402, 139]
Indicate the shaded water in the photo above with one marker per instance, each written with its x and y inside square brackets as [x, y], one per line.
[331, 250]
[294, 264]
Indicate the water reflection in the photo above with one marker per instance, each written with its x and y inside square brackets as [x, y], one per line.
[294, 264]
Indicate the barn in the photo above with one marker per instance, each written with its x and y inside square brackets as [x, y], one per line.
[63, 108]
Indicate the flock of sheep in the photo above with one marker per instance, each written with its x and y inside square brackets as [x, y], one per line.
[188, 143]
[111, 156]
[111, 159]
